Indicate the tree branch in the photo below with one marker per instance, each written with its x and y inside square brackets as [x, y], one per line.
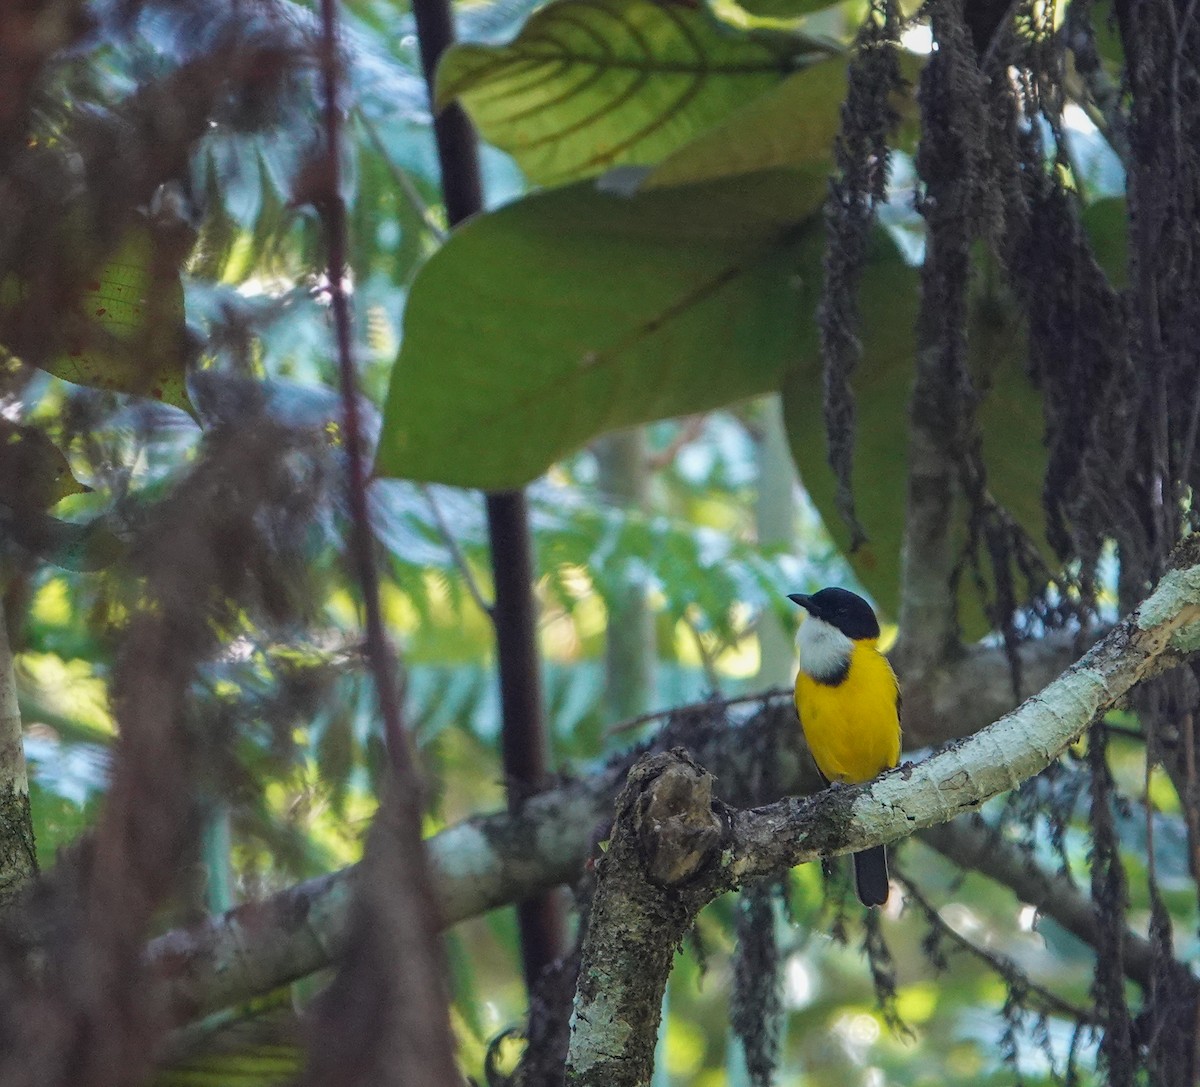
[665, 829]
[674, 848]
[927, 606]
[328, 200]
[523, 736]
[999, 963]
[954, 699]
[629, 634]
[1159, 634]
[495, 860]
[475, 866]
[971, 843]
[18, 853]
[456, 552]
[403, 182]
[524, 742]
[385, 1017]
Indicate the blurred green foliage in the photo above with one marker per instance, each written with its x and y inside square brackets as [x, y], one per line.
[487, 378]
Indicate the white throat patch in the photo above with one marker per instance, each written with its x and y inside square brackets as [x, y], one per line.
[824, 650]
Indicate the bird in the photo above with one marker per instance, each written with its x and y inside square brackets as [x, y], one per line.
[848, 701]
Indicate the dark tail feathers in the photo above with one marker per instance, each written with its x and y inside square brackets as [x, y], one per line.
[871, 876]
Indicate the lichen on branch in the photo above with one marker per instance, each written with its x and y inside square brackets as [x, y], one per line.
[665, 833]
[674, 847]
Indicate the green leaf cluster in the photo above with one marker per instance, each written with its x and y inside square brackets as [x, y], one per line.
[666, 263]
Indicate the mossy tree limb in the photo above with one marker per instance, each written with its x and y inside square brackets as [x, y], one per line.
[665, 831]
[494, 859]
[18, 852]
[675, 847]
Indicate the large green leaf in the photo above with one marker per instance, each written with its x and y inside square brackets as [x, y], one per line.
[785, 9]
[574, 312]
[591, 84]
[1107, 226]
[793, 123]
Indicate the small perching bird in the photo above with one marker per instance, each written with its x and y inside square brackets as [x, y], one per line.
[848, 700]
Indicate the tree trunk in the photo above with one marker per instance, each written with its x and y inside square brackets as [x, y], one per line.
[775, 519]
[629, 637]
[18, 850]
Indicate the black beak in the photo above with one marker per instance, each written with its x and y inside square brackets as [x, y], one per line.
[803, 599]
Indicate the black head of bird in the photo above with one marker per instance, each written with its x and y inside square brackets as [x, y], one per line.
[841, 608]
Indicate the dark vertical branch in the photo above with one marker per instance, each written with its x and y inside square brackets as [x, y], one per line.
[516, 634]
[333, 216]
[523, 729]
[385, 1018]
[458, 156]
[523, 732]
[1109, 892]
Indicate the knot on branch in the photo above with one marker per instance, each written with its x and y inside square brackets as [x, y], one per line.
[677, 829]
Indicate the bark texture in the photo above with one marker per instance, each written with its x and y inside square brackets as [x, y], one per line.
[665, 831]
[675, 847]
[18, 850]
[1161, 633]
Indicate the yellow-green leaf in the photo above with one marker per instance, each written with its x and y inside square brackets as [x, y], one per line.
[785, 9]
[592, 84]
[574, 312]
[790, 124]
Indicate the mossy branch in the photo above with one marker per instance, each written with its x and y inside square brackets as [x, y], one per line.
[675, 848]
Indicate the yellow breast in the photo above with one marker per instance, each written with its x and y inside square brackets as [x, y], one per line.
[853, 728]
